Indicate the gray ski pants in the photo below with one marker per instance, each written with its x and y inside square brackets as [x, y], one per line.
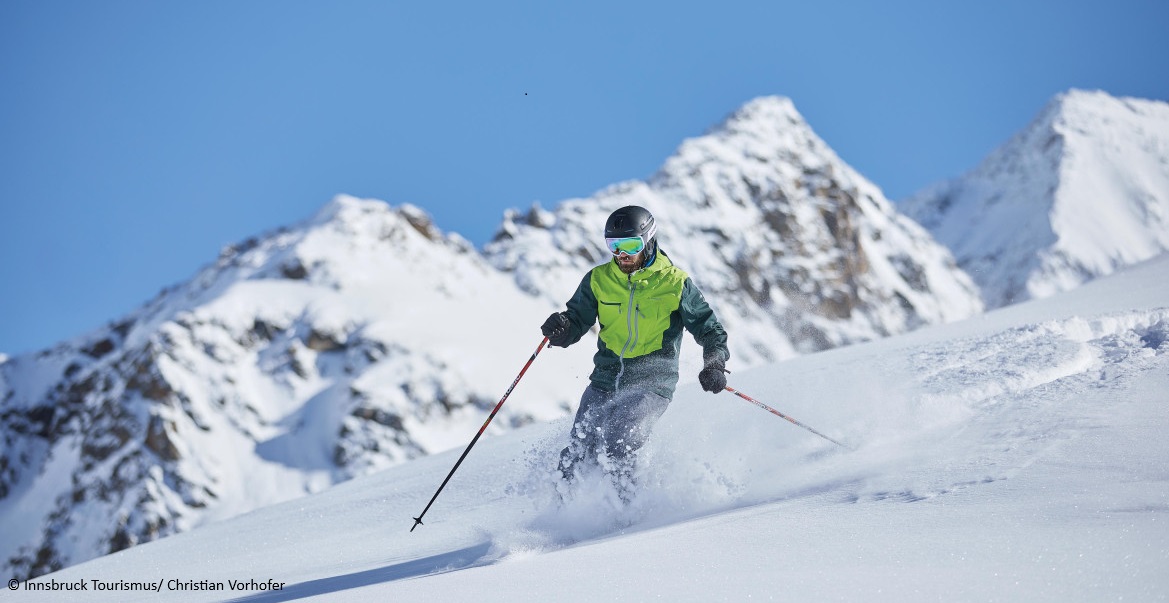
[609, 427]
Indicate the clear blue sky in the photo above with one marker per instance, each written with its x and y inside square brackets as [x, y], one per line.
[137, 138]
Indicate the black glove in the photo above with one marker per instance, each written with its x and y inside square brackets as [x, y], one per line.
[713, 376]
[556, 329]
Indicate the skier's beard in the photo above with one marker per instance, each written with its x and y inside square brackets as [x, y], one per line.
[630, 263]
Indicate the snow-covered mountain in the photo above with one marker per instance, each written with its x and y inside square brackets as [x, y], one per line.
[365, 337]
[1019, 456]
[1080, 192]
[359, 339]
[794, 249]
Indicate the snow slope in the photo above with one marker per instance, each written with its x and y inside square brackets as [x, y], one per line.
[1019, 455]
[1082, 191]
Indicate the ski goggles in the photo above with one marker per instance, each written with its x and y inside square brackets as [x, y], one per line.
[626, 245]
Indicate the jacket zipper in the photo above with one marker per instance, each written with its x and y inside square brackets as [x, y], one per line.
[631, 325]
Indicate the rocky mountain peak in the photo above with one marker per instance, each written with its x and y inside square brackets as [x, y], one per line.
[795, 250]
[762, 114]
[765, 139]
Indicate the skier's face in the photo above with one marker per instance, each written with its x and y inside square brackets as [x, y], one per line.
[629, 263]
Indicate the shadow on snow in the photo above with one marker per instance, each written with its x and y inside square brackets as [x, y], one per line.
[435, 564]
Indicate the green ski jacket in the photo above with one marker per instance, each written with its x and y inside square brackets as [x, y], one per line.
[642, 316]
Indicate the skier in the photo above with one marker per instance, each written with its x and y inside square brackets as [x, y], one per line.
[642, 301]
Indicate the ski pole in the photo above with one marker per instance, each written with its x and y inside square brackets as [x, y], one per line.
[782, 416]
[418, 520]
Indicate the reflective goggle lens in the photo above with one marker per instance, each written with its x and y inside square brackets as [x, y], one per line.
[627, 245]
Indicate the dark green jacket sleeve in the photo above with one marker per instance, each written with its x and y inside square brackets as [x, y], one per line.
[582, 310]
[700, 320]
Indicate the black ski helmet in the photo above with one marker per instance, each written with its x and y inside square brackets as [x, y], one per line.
[633, 221]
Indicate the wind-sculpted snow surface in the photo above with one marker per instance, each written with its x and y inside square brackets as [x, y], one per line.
[1018, 456]
[942, 417]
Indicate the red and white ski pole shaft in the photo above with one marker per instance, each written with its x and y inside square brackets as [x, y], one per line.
[418, 520]
[782, 416]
